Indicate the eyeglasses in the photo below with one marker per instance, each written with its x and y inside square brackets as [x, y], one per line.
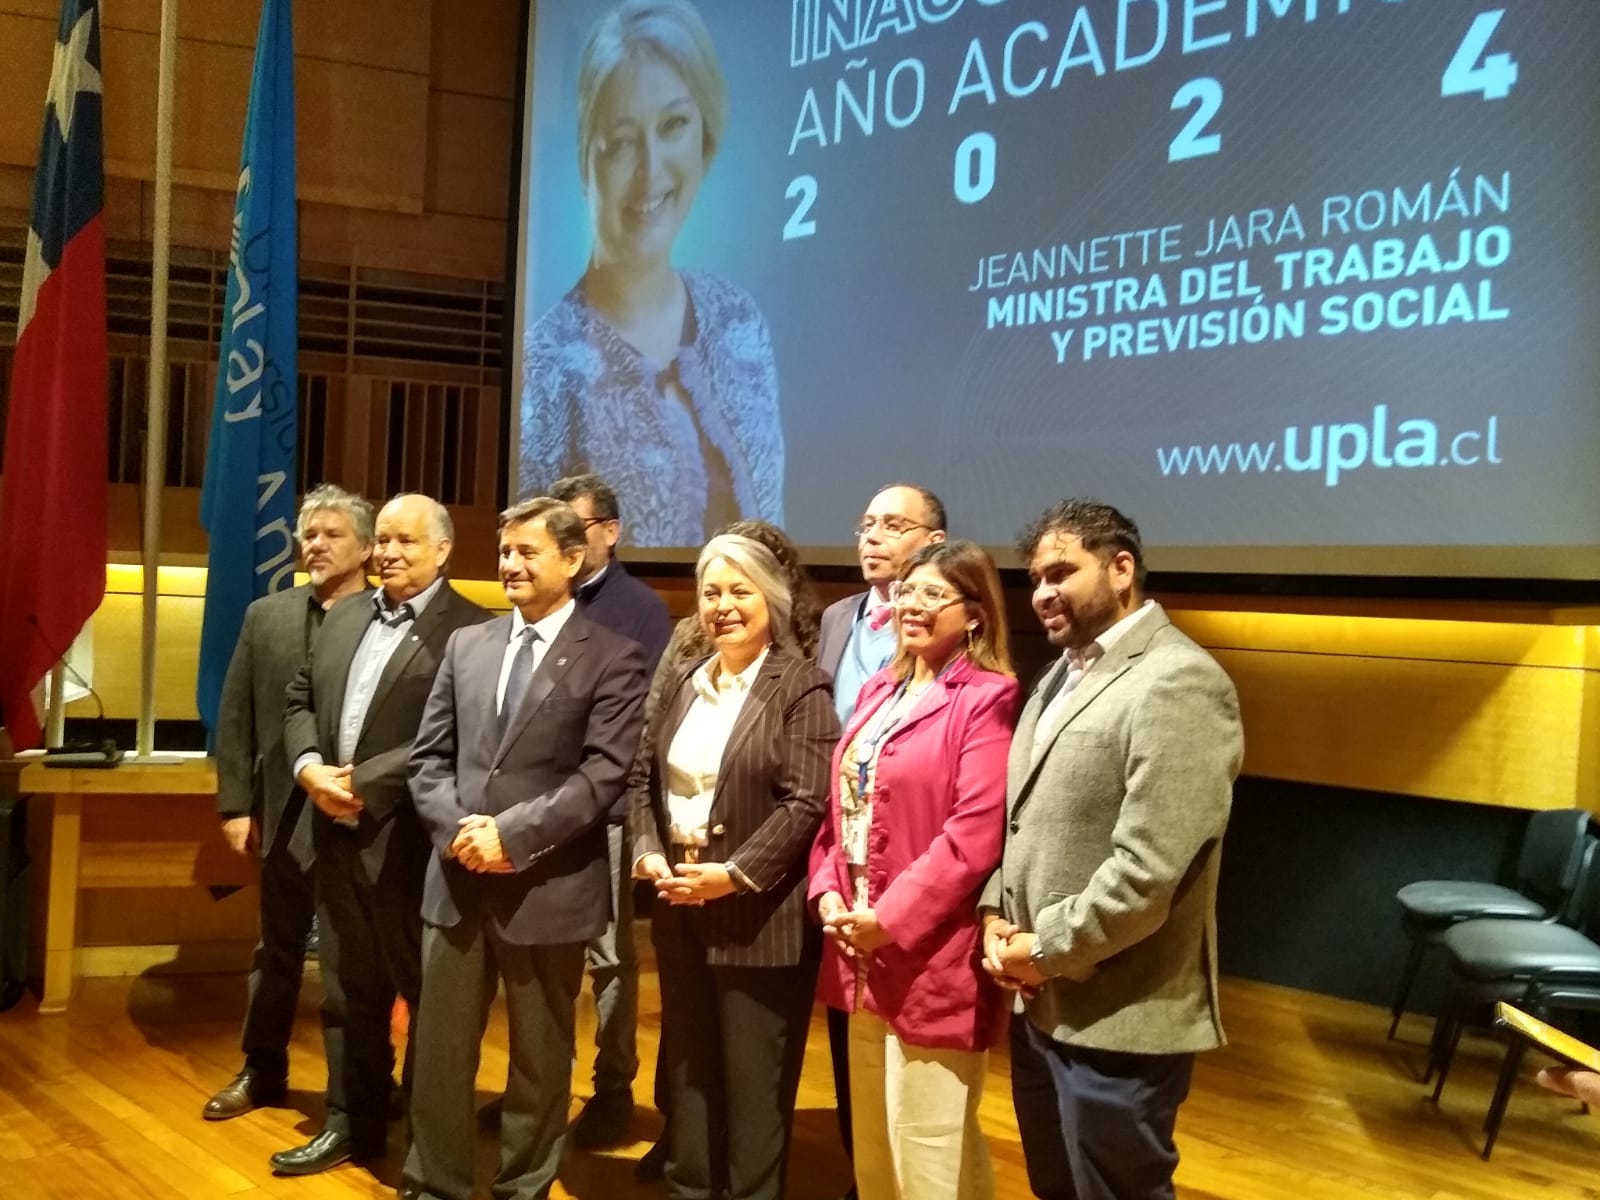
[923, 595]
[893, 528]
[591, 521]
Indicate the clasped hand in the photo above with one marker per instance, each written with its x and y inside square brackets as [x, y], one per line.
[1008, 957]
[855, 931]
[690, 884]
[477, 846]
[330, 790]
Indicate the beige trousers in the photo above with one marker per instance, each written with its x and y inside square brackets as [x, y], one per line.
[916, 1118]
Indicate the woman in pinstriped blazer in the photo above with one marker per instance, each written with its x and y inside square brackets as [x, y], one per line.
[738, 782]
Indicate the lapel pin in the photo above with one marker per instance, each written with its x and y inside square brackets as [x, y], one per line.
[561, 662]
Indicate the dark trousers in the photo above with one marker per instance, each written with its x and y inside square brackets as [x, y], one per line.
[839, 1053]
[462, 967]
[1096, 1124]
[288, 902]
[614, 972]
[736, 1040]
[371, 950]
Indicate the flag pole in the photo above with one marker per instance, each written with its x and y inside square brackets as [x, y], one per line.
[155, 448]
[55, 721]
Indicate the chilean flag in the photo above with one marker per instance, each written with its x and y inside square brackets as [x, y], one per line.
[53, 490]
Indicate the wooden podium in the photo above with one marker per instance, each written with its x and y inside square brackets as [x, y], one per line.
[131, 826]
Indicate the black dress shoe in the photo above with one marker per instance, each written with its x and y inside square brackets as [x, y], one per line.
[249, 1090]
[604, 1120]
[322, 1153]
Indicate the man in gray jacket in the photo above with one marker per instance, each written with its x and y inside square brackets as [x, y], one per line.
[1102, 915]
[259, 802]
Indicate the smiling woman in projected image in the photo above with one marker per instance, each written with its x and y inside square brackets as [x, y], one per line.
[658, 379]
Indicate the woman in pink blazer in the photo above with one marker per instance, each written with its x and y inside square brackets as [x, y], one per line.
[915, 825]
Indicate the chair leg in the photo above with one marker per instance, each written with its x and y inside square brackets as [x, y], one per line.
[1448, 1052]
[1441, 1035]
[1408, 977]
[1502, 1094]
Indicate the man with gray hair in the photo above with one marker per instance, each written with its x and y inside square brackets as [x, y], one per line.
[519, 764]
[261, 806]
[352, 712]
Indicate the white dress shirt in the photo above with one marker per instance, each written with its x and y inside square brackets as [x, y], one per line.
[1077, 663]
[546, 627]
[695, 755]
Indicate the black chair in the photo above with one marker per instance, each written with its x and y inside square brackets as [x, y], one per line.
[1566, 991]
[1536, 964]
[1547, 872]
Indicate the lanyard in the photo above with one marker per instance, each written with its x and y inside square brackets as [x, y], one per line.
[876, 737]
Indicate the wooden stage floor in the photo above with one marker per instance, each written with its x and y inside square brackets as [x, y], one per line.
[1309, 1102]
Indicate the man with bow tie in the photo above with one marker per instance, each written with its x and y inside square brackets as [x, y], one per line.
[856, 641]
[520, 759]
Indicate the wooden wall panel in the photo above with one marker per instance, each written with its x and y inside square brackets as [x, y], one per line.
[25, 57]
[363, 77]
[374, 149]
[477, 53]
[378, 33]
[363, 136]
[468, 134]
[433, 243]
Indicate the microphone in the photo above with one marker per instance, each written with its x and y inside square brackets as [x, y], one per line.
[103, 752]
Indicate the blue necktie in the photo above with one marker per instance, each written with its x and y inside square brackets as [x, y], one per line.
[521, 675]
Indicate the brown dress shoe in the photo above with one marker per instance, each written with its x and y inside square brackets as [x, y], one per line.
[247, 1091]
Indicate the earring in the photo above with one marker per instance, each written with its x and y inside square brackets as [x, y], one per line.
[970, 629]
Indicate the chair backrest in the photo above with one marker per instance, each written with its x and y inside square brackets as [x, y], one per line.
[1582, 910]
[1552, 856]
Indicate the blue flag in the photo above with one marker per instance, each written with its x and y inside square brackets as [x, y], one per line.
[248, 502]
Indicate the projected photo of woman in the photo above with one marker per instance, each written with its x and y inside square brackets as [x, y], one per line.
[659, 379]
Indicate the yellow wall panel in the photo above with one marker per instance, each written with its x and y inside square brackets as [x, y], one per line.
[1369, 637]
[1456, 731]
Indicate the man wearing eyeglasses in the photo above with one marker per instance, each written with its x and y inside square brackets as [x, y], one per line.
[611, 597]
[856, 641]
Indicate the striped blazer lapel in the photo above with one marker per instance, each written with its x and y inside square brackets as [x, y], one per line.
[674, 707]
[752, 713]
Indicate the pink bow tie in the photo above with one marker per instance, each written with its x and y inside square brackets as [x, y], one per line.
[878, 615]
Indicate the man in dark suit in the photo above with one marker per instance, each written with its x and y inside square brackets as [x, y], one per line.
[1103, 912]
[609, 596]
[519, 764]
[352, 712]
[856, 641]
[260, 804]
